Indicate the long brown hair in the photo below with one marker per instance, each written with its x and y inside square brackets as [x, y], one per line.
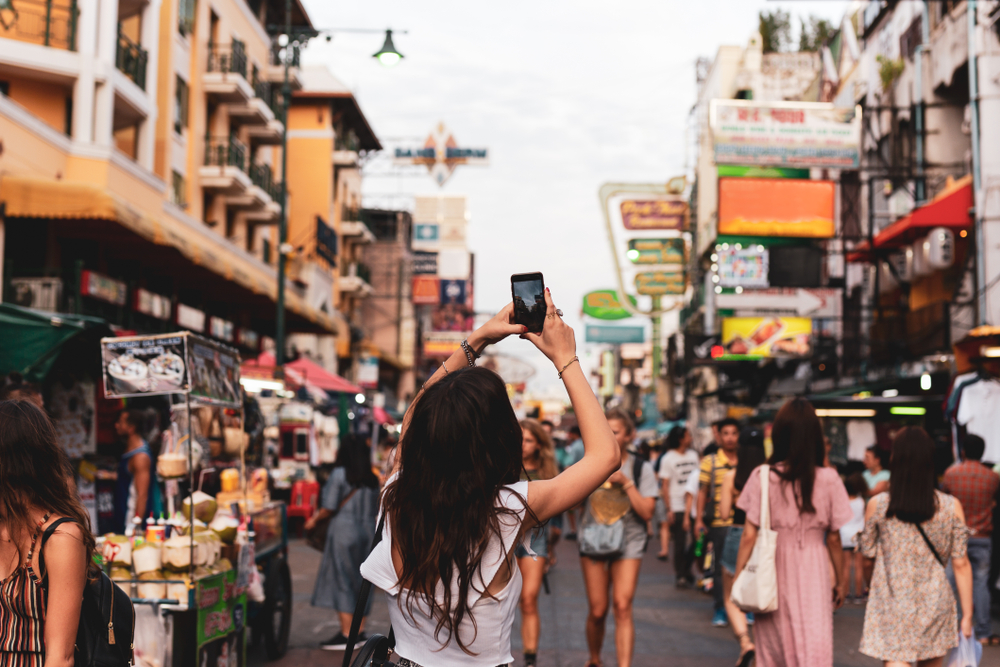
[546, 453]
[33, 473]
[911, 489]
[797, 439]
[462, 445]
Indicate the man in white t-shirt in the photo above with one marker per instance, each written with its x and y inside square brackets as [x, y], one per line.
[676, 467]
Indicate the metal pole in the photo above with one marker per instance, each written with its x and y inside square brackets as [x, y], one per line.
[657, 348]
[286, 93]
[976, 162]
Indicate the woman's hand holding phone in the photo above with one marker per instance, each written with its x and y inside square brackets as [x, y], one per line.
[496, 329]
[557, 340]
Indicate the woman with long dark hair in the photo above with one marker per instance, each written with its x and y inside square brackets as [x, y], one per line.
[808, 505]
[911, 532]
[539, 462]
[351, 496]
[456, 508]
[40, 588]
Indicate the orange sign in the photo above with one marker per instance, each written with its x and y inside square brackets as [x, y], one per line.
[426, 290]
[655, 214]
[776, 207]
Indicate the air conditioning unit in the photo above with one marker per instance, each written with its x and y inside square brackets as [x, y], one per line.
[38, 293]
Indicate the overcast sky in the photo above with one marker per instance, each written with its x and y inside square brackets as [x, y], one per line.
[565, 94]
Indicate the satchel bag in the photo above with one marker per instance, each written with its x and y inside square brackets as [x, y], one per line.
[316, 536]
[106, 632]
[756, 589]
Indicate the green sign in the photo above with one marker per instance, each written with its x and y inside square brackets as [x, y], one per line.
[656, 251]
[596, 333]
[658, 283]
[222, 607]
[605, 305]
[761, 172]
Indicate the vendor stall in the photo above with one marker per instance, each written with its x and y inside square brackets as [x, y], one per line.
[211, 566]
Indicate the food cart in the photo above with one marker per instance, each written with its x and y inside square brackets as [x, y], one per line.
[216, 566]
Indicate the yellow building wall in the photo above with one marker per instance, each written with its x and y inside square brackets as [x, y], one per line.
[165, 90]
[310, 174]
[24, 154]
[45, 100]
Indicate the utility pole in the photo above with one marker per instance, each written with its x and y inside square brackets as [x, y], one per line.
[286, 94]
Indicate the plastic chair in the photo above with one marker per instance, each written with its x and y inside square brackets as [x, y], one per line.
[304, 500]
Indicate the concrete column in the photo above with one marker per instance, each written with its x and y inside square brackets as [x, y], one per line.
[149, 40]
[83, 88]
[107, 46]
[988, 200]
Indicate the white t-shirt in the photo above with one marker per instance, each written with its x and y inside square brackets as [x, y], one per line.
[860, 436]
[849, 531]
[677, 468]
[979, 412]
[691, 488]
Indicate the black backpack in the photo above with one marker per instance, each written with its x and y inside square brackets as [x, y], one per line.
[106, 632]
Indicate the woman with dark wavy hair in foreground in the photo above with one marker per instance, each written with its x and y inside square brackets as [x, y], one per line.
[456, 510]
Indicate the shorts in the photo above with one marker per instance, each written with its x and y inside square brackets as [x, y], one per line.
[636, 539]
[539, 543]
[731, 549]
[659, 512]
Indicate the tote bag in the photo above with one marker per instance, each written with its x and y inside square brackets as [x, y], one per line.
[756, 589]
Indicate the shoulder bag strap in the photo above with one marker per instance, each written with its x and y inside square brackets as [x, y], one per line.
[344, 502]
[930, 545]
[359, 609]
[765, 497]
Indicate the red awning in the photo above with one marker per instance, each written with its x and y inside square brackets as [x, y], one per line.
[382, 417]
[316, 375]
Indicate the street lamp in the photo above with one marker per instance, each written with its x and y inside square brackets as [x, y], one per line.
[388, 55]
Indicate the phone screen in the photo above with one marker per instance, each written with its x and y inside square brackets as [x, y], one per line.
[528, 292]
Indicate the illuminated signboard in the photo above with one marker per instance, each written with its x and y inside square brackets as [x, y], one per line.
[776, 207]
[656, 251]
[758, 337]
[659, 283]
[743, 267]
[655, 214]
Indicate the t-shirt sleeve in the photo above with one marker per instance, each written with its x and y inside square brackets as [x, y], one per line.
[691, 486]
[648, 486]
[840, 504]
[749, 500]
[333, 490]
[705, 471]
[667, 466]
[966, 405]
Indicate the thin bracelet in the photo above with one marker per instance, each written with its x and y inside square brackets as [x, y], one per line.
[628, 485]
[575, 358]
[472, 349]
[445, 367]
[468, 352]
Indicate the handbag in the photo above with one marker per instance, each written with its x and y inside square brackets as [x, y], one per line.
[756, 589]
[599, 540]
[316, 536]
[378, 648]
[106, 633]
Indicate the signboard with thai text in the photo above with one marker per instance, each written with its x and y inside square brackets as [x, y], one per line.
[659, 283]
[426, 290]
[101, 287]
[425, 263]
[663, 213]
[761, 337]
[657, 251]
[615, 335]
[222, 607]
[605, 305]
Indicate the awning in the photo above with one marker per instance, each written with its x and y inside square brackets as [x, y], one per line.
[27, 197]
[32, 338]
[382, 417]
[313, 373]
[950, 209]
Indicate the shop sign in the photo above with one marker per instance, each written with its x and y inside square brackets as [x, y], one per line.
[745, 171]
[222, 607]
[605, 305]
[426, 290]
[786, 134]
[743, 267]
[248, 339]
[215, 372]
[425, 263]
[452, 292]
[776, 207]
[367, 376]
[657, 251]
[596, 333]
[154, 305]
[426, 236]
[326, 241]
[221, 329]
[659, 283]
[638, 215]
[141, 365]
[98, 286]
[191, 318]
[607, 387]
[816, 303]
[442, 343]
[762, 337]
[698, 347]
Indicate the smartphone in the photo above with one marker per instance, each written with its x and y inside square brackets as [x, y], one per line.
[528, 292]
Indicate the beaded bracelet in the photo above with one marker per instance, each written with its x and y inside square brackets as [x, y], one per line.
[469, 354]
[574, 359]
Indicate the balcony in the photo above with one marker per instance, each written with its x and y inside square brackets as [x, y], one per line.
[258, 111]
[225, 169]
[226, 74]
[352, 228]
[345, 150]
[355, 280]
[131, 60]
[46, 23]
[262, 199]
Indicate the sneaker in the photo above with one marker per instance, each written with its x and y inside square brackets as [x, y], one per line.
[860, 599]
[571, 537]
[720, 620]
[338, 642]
[530, 659]
[750, 619]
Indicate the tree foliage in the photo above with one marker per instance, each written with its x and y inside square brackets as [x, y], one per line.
[775, 30]
[814, 33]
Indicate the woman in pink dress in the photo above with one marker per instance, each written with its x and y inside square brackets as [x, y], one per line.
[808, 506]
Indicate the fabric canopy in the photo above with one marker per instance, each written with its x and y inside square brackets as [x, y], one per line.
[32, 338]
[382, 417]
[315, 374]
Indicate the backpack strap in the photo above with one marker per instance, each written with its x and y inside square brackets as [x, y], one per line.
[45, 538]
[359, 609]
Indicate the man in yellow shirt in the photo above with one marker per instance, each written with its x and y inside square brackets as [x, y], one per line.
[713, 468]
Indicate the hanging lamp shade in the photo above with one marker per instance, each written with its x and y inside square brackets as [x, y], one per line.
[388, 55]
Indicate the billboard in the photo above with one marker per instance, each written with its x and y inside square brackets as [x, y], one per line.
[776, 207]
[664, 213]
[785, 134]
[426, 290]
[605, 305]
[757, 337]
[745, 266]
[656, 251]
[659, 283]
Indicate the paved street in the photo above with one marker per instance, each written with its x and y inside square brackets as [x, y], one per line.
[672, 627]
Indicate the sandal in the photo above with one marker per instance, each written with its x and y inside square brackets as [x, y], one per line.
[992, 640]
[746, 658]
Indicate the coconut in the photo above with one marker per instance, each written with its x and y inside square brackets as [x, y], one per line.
[178, 592]
[152, 591]
[120, 574]
[209, 548]
[177, 553]
[204, 506]
[146, 558]
[224, 565]
[118, 550]
[181, 525]
[202, 572]
[225, 526]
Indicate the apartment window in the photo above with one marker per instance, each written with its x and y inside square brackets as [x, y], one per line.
[5, 88]
[266, 251]
[185, 16]
[180, 105]
[178, 189]
[69, 115]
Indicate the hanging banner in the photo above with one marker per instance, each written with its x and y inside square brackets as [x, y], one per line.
[759, 337]
[426, 290]
[605, 305]
[788, 134]
[367, 376]
[645, 214]
[215, 372]
[144, 365]
[776, 207]
[659, 283]
[453, 292]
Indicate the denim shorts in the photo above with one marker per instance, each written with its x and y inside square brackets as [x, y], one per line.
[731, 549]
[539, 543]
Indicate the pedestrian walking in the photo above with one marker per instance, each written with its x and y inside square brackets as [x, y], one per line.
[713, 469]
[135, 484]
[877, 470]
[751, 455]
[538, 461]
[911, 532]
[455, 509]
[677, 465]
[350, 502]
[41, 586]
[808, 505]
[849, 533]
[975, 487]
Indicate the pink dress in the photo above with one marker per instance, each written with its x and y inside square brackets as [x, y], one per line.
[800, 633]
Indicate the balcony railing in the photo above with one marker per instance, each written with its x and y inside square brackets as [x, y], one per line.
[228, 58]
[45, 22]
[357, 270]
[348, 214]
[263, 178]
[226, 152]
[346, 142]
[131, 60]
